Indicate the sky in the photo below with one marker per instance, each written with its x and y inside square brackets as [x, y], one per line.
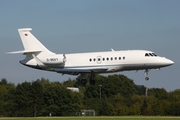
[70, 26]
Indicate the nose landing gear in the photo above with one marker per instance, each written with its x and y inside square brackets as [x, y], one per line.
[146, 74]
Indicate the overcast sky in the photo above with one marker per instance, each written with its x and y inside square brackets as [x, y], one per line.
[69, 26]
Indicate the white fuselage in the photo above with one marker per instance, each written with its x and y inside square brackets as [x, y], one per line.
[39, 57]
[100, 62]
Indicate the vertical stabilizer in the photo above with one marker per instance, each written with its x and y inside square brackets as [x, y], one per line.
[31, 43]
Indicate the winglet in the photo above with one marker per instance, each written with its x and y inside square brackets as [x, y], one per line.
[112, 50]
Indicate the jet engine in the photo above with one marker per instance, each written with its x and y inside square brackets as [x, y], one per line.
[54, 59]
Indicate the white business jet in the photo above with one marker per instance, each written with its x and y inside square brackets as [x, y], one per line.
[39, 57]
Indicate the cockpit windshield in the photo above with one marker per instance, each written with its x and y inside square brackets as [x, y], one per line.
[150, 54]
[154, 54]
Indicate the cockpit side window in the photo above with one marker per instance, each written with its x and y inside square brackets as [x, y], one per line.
[146, 54]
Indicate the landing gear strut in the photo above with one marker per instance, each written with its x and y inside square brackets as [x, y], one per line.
[146, 74]
[92, 81]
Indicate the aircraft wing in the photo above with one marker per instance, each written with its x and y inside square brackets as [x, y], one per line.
[76, 71]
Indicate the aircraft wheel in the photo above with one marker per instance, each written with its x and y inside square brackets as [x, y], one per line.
[83, 81]
[146, 78]
[92, 82]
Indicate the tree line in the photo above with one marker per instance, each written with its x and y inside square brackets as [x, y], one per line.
[114, 95]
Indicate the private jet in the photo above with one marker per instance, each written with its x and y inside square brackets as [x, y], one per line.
[39, 57]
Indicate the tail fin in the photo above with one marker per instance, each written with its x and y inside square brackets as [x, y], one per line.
[31, 44]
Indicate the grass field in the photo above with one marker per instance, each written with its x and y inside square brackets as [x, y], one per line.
[91, 118]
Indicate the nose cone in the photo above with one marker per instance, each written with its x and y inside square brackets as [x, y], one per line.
[168, 62]
[171, 62]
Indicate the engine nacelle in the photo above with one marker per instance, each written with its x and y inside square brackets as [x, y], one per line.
[54, 59]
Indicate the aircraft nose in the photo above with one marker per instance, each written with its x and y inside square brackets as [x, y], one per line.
[171, 62]
[168, 62]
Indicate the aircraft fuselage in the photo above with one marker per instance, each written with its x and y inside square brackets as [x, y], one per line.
[99, 62]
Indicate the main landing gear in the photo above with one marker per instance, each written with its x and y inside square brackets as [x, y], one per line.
[146, 74]
[84, 80]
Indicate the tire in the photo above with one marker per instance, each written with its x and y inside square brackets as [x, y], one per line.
[146, 78]
[83, 81]
[92, 82]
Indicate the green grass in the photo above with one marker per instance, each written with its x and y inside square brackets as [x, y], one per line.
[90, 118]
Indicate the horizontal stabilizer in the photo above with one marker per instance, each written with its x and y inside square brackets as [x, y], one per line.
[24, 51]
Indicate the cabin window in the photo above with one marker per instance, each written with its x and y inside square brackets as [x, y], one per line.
[116, 58]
